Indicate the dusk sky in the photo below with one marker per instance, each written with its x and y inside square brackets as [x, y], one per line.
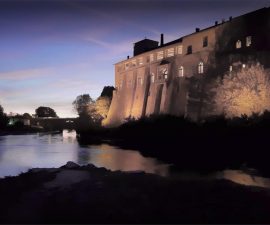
[53, 51]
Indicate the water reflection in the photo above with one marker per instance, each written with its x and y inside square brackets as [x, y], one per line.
[125, 160]
[18, 153]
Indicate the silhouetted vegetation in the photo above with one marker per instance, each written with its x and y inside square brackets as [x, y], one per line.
[211, 144]
[3, 118]
[43, 111]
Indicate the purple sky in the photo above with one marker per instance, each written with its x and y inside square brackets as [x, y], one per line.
[52, 51]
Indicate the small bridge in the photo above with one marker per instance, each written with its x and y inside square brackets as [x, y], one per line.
[55, 123]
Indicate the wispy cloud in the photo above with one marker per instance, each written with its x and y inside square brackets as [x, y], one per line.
[24, 74]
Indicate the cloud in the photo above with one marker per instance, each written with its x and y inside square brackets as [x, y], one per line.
[24, 74]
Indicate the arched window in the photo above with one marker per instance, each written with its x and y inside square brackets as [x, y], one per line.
[181, 71]
[200, 68]
[238, 44]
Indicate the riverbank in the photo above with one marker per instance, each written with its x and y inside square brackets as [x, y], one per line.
[86, 194]
[25, 130]
[214, 144]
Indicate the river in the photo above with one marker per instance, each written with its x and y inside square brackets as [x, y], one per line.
[18, 153]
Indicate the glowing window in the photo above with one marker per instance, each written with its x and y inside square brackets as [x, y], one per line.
[248, 41]
[179, 49]
[238, 44]
[170, 52]
[200, 68]
[231, 68]
[160, 55]
[244, 65]
[140, 61]
[181, 71]
[152, 77]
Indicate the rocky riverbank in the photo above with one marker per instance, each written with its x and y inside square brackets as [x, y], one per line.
[86, 194]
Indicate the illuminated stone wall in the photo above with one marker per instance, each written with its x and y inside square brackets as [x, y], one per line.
[150, 84]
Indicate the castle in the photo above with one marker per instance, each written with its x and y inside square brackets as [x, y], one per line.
[172, 78]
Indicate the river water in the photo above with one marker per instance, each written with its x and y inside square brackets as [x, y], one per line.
[18, 153]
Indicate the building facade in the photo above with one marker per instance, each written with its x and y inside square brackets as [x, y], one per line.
[172, 78]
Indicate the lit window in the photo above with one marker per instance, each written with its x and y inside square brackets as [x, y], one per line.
[152, 77]
[133, 63]
[231, 68]
[238, 44]
[205, 41]
[165, 73]
[189, 49]
[151, 57]
[248, 41]
[140, 61]
[200, 68]
[170, 52]
[179, 49]
[140, 81]
[244, 65]
[181, 71]
[160, 55]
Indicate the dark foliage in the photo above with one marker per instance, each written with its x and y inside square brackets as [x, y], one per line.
[212, 144]
[43, 111]
[107, 91]
[3, 118]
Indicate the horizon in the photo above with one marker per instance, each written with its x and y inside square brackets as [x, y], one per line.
[53, 51]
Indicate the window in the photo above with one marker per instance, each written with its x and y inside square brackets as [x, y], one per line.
[200, 68]
[248, 41]
[140, 81]
[179, 49]
[231, 68]
[133, 63]
[120, 84]
[160, 55]
[189, 49]
[127, 66]
[181, 71]
[151, 57]
[205, 41]
[140, 61]
[147, 59]
[244, 65]
[170, 52]
[152, 77]
[238, 44]
[164, 73]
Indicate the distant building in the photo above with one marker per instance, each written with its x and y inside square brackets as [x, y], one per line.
[172, 78]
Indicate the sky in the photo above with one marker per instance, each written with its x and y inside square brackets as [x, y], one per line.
[53, 51]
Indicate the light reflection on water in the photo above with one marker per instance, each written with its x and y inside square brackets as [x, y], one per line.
[18, 153]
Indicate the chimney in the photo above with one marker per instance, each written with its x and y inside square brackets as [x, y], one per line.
[230, 18]
[216, 23]
[197, 29]
[128, 57]
[161, 40]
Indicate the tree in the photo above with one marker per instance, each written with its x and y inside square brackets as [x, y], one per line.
[43, 111]
[243, 92]
[27, 116]
[102, 106]
[83, 104]
[3, 118]
[107, 92]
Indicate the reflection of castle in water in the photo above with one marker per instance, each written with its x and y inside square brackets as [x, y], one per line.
[169, 78]
[125, 160]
